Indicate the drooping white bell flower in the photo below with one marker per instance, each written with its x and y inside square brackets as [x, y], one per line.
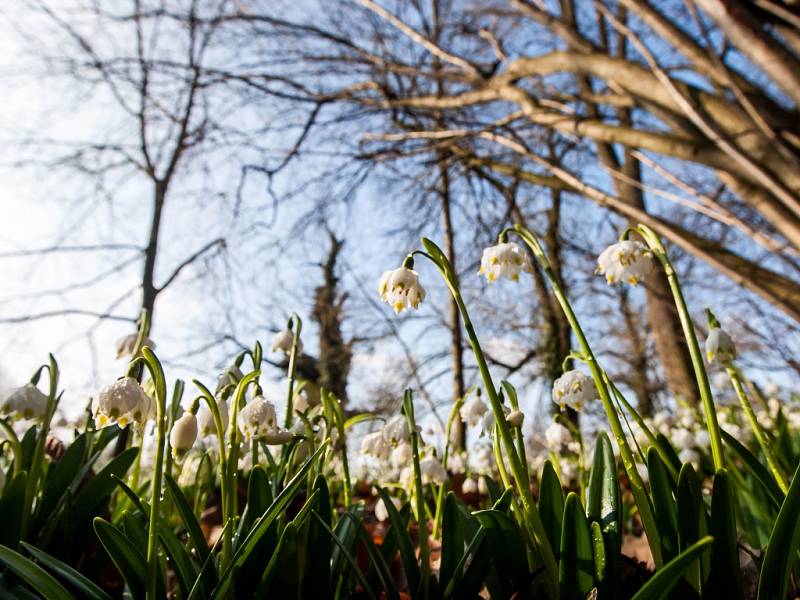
[183, 435]
[401, 289]
[282, 342]
[401, 455]
[381, 512]
[515, 418]
[556, 436]
[470, 486]
[481, 459]
[483, 487]
[683, 438]
[205, 419]
[122, 402]
[629, 261]
[25, 402]
[374, 444]
[472, 410]
[228, 377]
[257, 418]
[720, 347]
[506, 259]
[573, 389]
[457, 462]
[127, 343]
[432, 470]
[395, 430]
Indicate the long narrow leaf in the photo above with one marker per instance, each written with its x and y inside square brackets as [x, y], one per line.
[34, 575]
[660, 585]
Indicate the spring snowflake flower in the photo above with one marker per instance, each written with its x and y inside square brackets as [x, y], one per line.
[573, 389]
[257, 418]
[205, 420]
[401, 289]
[395, 430]
[457, 462]
[26, 402]
[183, 435]
[720, 347]
[123, 402]
[127, 343]
[282, 342]
[374, 444]
[432, 470]
[483, 487]
[401, 455]
[683, 438]
[381, 512]
[556, 436]
[488, 422]
[506, 259]
[472, 410]
[470, 486]
[515, 418]
[627, 260]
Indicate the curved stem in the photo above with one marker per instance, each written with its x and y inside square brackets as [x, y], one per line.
[440, 492]
[424, 550]
[16, 447]
[628, 460]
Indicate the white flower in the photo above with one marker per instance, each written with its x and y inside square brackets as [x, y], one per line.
[229, 376]
[719, 347]
[483, 487]
[122, 402]
[205, 420]
[504, 260]
[481, 459]
[515, 418]
[488, 422]
[401, 289]
[401, 455]
[683, 439]
[381, 513]
[701, 439]
[26, 402]
[573, 389]
[432, 470]
[257, 418]
[688, 455]
[373, 444]
[127, 343]
[472, 410]
[556, 435]
[457, 462]
[395, 430]
[183, 434]
[470, 486]
[628, 260]
[282, 342]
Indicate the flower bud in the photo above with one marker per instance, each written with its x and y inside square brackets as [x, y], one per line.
[504, 260]
[205, 419]
[515, 418]
[401, 289]
[282, 342]
[277, 437]
[183, 435]
[127, 343]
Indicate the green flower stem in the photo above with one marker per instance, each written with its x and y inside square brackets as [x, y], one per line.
[519, 439]
[761, 436]
[13, 441]
[628, 460]
[177, 394]
[454, 411]
[657, 247]
[38, 452]
[219, 426]
[419, 493]
[517, 469]
[157, 374]
[298, 326]
[498, 458]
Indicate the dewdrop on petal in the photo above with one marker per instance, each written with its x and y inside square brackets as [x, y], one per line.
[183, 435]
[282, 342]
[25, 402]
[506, 259]
[257, 418]
[720, 347]
[401, 289]
[573, 389]
[629, 261]
[122, 402]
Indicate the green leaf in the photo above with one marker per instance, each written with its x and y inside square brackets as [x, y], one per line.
[783, 544]
[97, 490]
[128, 560]
[281, 577]
[692, 524]
[576, 564]
[75, 579]
[725, 578]
[605, 509]
[407, 554]
[507, 550]
[660, 585]
[756, 469]
[598, 553]
[551, 504]
[60, 476]
[189, 521]
[384, 573]
[34, 575]
[345, 553]
[316, 580]
[452, 538]
[664, 510]
[11, 506]
[476, 560]
[359, 418]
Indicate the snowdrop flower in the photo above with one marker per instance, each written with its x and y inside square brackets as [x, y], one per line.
[627, 260]
[395, 430]
[183, 435]
[282, 342]
[401, 289]
[257, 418]
[683, 438]
[457, 462]
[573, 389]
[515, 418]
[719, 347]
[381, 512]
[374, 444]
[401, 455]
[122, 402]
[26, 402]
[556, 435]
[127, 343]
[205, 420]
[470, 486]
[472, 410]
[432, 470]
[506, 259]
